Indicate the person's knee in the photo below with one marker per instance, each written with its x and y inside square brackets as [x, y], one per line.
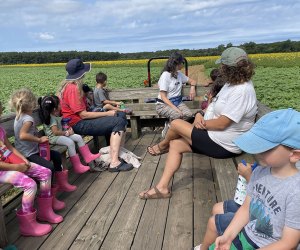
[211, 224]
[217, 208]
[30, 184]
[120, 124]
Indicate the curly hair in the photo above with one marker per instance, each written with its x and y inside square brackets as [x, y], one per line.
[239, 74]
[171, 65]
[22, 100]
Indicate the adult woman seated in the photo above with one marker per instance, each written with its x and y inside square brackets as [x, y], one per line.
[73, 105]
[234, 113]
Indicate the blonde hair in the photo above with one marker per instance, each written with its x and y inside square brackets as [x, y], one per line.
[64, 83]
[22, 101]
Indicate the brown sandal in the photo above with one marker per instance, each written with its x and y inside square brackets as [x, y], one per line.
[154, 152]
[156, 195]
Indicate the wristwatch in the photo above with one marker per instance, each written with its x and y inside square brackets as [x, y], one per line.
[200, 112]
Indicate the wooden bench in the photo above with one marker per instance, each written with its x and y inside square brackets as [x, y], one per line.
[144, 114]
[225, 170]
[7, 122]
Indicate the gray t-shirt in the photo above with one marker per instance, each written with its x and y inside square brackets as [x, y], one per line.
[100, 95]
[27, 148]
[275, 203]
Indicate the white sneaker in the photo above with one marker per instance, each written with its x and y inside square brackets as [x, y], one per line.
[165, 130]
[197, 247]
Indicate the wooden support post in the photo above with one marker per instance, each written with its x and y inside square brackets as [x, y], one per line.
[3, 235]
[135, 123]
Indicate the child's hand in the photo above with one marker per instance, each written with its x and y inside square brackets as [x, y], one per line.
[111, 112]
[22, 167]
[223, 243]
[245, 171]
[44, 139]
[71, 131]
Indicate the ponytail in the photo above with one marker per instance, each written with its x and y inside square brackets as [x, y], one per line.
[47, 105]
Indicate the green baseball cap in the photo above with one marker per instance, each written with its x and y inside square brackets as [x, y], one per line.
[232, 56]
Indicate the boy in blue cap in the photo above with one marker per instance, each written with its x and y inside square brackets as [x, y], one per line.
[270, 216]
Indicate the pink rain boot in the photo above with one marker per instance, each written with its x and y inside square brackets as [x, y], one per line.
[45, 211]
[62, 181]
[77, 166]
[29, 226]
[56, 204]
[87, 155]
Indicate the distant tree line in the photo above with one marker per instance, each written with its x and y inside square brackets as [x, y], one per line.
[64, 56]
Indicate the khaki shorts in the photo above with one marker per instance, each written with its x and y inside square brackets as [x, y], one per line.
[166, 111]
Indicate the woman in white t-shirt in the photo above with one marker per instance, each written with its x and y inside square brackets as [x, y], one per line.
[169, 102]
[235, 109]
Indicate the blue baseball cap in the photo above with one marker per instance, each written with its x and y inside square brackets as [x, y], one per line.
[280, 127]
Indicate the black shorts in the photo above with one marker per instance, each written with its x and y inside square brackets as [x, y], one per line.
[202, 144]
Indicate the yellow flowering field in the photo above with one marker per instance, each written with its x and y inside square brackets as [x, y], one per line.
[276, 80]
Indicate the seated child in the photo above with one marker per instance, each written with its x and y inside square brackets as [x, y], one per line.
[89, 94]
[15, 169]
[215, 89]
[269, 217]
[50, 116]
[101, 98]
[222, 213]
[214, 74]
[27, 141]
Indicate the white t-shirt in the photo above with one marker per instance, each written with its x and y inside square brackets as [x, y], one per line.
[209, 112]
[239, 104]
[170, 84]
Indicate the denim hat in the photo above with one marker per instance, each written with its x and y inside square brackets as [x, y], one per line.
[280, 127]
[232, 56]
[76, 69]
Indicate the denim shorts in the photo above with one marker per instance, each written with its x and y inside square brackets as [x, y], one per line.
[222, 221]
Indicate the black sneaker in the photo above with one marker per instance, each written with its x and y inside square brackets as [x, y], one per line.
[123, 166]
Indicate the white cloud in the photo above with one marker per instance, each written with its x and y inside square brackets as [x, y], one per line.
[45, 36]
[134, 25]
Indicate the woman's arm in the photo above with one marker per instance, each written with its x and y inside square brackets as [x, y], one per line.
[85, 115]
[219, 124]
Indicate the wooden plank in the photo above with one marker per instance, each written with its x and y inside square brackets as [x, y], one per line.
[152, 106]
[152, 92]
[72, 204]
[3, 234]
[95, 229]
[262, 110]
[122, 231]
[226, 176]
[179, 227]
[150, 231]
[204, 195]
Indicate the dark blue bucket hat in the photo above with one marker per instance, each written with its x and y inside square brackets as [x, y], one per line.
[76, 69]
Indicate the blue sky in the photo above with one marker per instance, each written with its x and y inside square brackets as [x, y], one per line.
[143, 25]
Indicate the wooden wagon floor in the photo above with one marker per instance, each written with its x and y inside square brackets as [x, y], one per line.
[106, 213]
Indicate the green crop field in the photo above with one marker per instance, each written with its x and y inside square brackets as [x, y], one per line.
[277, 80]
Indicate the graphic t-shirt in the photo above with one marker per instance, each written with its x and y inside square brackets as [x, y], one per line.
[170, 84]
[275, 203]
